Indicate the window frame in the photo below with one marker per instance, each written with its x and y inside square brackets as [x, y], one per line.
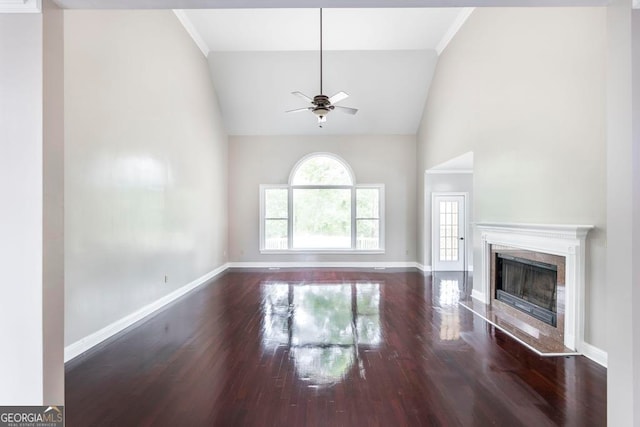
[354, 219]
[264, 219]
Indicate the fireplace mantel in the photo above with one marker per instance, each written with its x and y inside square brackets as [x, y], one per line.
[568, 241]
[554, 231]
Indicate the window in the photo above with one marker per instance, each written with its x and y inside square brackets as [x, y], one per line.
[322, 209]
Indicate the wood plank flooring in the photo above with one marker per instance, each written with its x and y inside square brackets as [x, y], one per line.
[318, 347]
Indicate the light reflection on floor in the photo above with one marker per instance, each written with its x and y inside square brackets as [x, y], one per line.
[448, 288]
[324, 325]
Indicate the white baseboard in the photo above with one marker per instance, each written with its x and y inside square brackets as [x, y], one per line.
[327, 264]
[478, 295]
[82, 345]
[424, 268]
[594, 353]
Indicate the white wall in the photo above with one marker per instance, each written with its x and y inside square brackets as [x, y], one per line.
[623, 221]
[145, 165]
[255, 160]
[31, 327]
[21, 213]
[524, 89]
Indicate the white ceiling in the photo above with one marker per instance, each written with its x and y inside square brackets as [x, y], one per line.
[230, 4]
[383, 58]
[344, 29]
[388, 87]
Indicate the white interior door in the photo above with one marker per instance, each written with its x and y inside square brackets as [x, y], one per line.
[448, 231]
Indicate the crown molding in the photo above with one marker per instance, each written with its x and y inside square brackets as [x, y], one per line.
[455, 27]
[20, 6]
[193, 32]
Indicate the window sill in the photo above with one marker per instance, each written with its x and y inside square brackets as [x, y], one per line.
[322, 251]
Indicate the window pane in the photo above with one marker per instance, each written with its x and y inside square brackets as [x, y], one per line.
[275, 202]
[275, 234]
[367, 203]
[321, 170]
[448, 231]
[321, 218]
[368, 234]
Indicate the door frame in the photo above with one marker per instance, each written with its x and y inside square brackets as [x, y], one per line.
[465, 226]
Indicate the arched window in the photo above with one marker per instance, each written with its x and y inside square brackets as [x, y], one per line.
[322, 209]
[321, 169]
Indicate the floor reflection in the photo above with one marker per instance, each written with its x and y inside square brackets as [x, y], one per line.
[323, 324]
[448, 289]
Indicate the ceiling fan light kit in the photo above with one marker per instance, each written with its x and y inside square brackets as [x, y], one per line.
[322, 104]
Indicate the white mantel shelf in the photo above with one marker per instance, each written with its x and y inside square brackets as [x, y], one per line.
[564, 240]
[549, 230]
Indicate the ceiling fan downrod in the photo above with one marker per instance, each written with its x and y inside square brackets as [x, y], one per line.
[322, 104]
[321, 51]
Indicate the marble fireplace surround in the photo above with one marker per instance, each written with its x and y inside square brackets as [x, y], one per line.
[567, 241]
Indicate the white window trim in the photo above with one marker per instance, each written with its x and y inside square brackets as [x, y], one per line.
[263, 219]
[300, 162]
[352, 250]
[354, 187]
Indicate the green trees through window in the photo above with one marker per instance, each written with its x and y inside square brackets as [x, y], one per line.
[321, 169]
[321, 218]
[322, 209]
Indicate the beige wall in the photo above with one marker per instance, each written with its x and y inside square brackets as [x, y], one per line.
[53, 200]
[255, 160]
[524, 89]
[145, 165]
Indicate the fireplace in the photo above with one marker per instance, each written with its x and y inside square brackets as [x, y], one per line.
[532, 280]
[527, 285]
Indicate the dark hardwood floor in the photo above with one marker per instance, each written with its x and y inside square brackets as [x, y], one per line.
[328, 348]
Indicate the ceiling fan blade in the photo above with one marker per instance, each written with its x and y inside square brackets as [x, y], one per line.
[303, 96]
[347, 110]
[338, 97]
[298, 110]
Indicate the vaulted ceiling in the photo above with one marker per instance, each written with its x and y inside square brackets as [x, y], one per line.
[383, 58]
[382, 52]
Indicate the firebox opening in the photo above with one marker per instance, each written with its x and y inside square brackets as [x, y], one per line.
[527, 285]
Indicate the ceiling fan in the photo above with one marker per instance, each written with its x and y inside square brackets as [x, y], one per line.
[321, 105]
